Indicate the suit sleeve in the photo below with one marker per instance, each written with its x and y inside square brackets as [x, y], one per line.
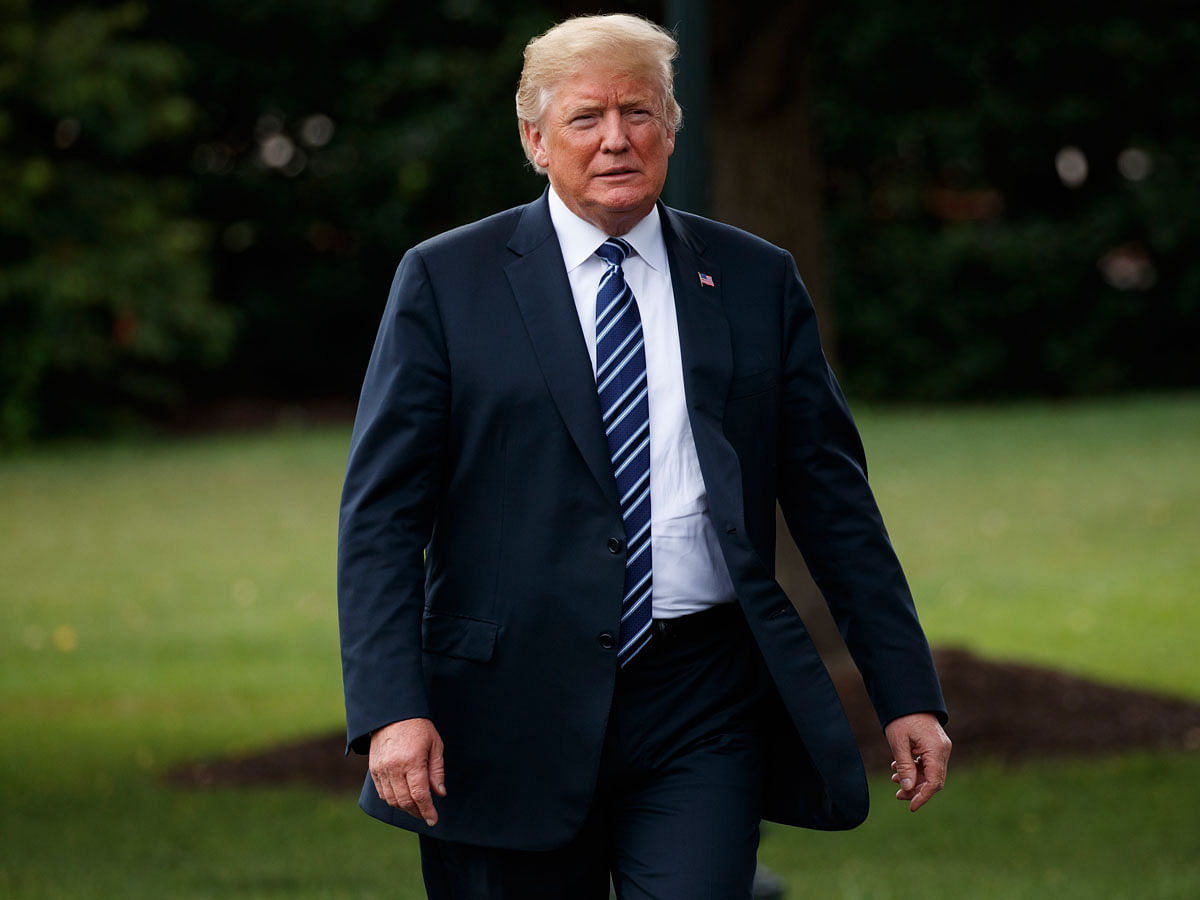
[389, 503]
[835, 521]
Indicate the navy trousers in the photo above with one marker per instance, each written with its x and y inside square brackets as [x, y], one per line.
[678, 800]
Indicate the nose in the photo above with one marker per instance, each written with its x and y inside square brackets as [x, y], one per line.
[613, 136]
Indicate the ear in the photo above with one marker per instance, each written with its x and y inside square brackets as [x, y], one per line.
[670, 141]
[537, 144]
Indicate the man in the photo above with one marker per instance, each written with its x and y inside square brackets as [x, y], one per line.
[563, 645]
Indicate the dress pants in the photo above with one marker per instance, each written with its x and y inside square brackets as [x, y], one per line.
[678, 800]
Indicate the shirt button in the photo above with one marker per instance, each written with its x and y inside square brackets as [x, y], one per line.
[607, 641]
[615, 545]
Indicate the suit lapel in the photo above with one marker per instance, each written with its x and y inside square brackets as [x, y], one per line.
[704, 338]
[705, 345]
[543, 295]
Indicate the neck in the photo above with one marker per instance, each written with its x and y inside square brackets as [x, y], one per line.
[613, 222]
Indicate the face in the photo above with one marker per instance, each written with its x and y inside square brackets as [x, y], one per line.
[605, 146]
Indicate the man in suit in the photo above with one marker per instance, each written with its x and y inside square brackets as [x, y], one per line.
[563, 645]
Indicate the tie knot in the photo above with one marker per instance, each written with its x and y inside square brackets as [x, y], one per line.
[613, 251]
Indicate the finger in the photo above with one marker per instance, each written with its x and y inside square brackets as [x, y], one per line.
[383, 787]
[922, 795]
[934, 762]
[437, 770]
[933, 766]
[420, 794]
[404, 800]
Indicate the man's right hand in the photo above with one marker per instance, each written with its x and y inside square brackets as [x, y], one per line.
[407, 768]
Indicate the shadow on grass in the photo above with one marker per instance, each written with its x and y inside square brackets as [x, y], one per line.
[1006, 712]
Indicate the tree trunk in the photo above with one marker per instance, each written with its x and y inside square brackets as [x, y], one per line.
[766, 173]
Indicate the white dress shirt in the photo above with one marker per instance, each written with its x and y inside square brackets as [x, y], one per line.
[689, 570]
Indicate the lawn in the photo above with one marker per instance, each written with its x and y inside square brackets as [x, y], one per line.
[1063, 534]
[168, 600]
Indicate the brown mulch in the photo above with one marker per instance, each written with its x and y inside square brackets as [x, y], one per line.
[1013, 713]
[238, 415]
[999, 711]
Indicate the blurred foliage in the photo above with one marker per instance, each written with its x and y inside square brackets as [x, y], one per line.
[964, 266]
[207, 200]
[104, 278]
[333, 136]
[231, 182]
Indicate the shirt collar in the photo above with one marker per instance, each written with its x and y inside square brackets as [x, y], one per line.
[579, 238]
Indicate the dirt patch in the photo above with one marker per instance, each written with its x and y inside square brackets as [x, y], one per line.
[998, 711]
[240, 415]
[1014, 713]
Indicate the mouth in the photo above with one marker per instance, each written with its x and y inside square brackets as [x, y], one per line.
[617, 173]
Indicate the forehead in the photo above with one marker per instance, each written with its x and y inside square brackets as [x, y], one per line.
[601, 85]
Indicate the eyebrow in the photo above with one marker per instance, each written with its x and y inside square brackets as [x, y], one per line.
[590, 106]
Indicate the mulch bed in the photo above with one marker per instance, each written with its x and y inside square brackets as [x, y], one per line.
[1006, 712]
[1013, 713]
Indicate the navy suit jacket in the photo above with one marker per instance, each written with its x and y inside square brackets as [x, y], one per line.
[476, 586]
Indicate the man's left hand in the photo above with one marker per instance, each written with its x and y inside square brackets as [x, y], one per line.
[921, 750]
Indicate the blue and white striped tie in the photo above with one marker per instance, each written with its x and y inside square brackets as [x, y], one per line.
[621, 383]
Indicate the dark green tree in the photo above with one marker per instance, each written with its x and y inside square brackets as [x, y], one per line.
[1012, 196]
[333, 136]
[279, 157]
[232, 183]
[105, 288]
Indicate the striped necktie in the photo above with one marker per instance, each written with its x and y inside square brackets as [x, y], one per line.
[621, 384]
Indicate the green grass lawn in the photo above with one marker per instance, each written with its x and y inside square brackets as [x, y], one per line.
[1063, 534]
[1118, 829]
[169, 600]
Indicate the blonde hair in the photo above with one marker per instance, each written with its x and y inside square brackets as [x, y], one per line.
[621, 43]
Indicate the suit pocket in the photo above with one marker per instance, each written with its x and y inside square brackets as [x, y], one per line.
[750, 385]
[458, 636]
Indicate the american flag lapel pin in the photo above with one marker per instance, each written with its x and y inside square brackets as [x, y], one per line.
[706, 280]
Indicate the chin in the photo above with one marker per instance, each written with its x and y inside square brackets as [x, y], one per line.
[623, 202]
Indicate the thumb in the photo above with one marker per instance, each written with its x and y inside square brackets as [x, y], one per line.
[905, 766]
[906, 773]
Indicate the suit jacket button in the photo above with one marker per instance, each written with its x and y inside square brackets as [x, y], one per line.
[615, 545]
[607, 641]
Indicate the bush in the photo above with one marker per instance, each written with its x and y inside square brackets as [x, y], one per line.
[1012, 197]
[105, 297]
